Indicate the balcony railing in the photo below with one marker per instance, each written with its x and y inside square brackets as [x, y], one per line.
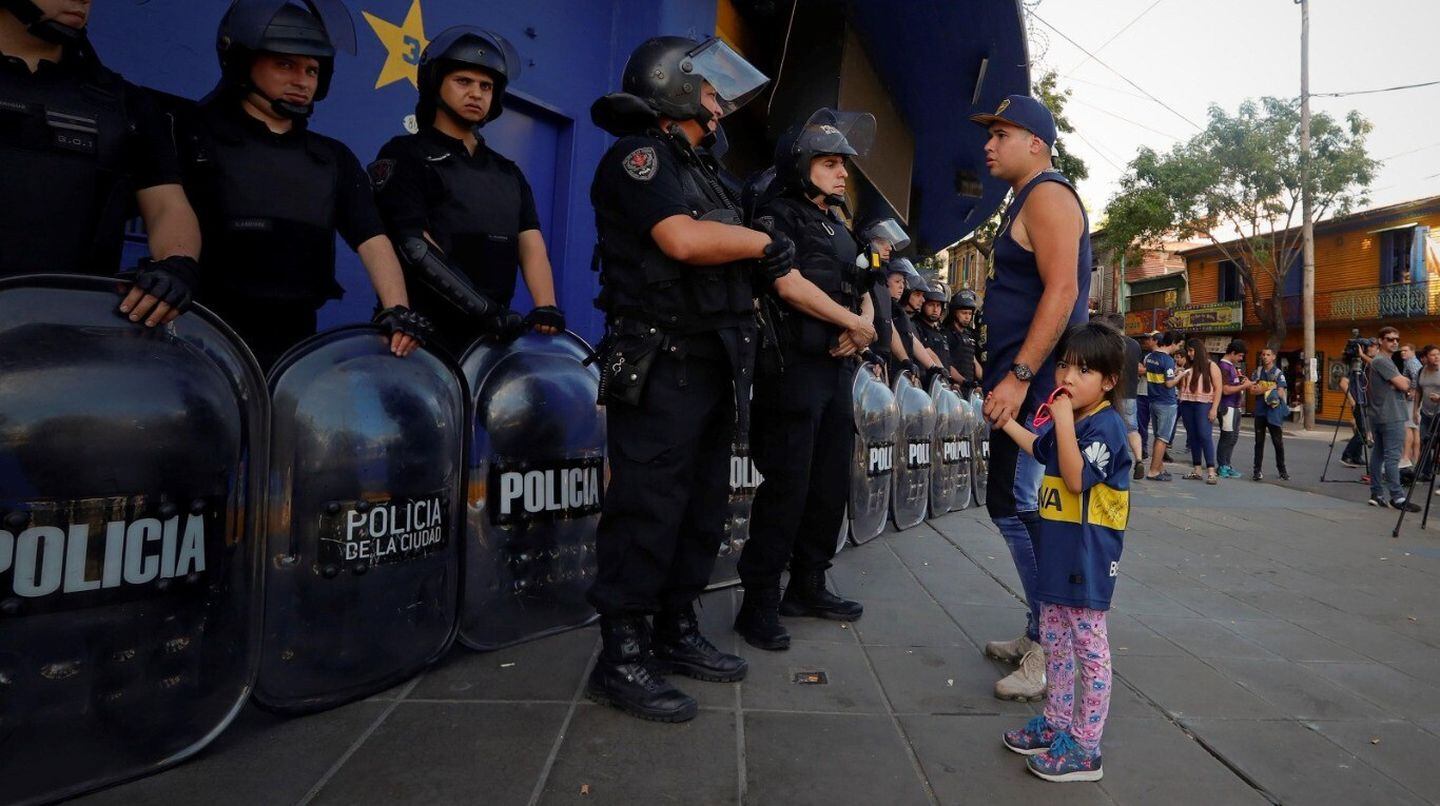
[1394, 301]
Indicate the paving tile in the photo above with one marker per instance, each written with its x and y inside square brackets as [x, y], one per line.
[966, 588]
[1187, 687]
[1135, 749]
[1297, 765]
[1295, 690]
[850, 688]
[1214, 604]
[1292, 641]
[623, 760]
[1399, 749]
[1128, 637]
[945, 680]
[546, 669]
[844, 758]
[916, 623]
[427, 753]
[261, 758]
[1396, 691]
[966, 763]
[1204, 637]
[988, 623]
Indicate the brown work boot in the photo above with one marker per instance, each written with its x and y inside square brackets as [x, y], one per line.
[1009, 651]
[1026, 683]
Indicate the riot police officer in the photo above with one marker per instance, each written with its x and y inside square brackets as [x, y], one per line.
[906, 285]
[803, 424]
[79, 148]
[271, 193]
[677, 275]
[461, 214]
[964, 339]
[928, 329]
[884, 237]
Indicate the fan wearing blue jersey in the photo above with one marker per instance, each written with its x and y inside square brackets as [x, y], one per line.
[1084, 508]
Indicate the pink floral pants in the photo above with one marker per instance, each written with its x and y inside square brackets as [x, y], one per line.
[1076, 636]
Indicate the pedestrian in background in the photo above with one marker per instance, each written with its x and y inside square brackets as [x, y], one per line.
[1411, 368]
[1233, 386]
[1129, 392]
[1271, 409]
[1199, 408]
[1354, 385]
[1389, 408]
[1142, 399]
[1427, 405]
[1162, 376]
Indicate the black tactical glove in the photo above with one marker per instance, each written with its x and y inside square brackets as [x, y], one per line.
[779, 253]
[506, 324]
[172, 280]
[546, 316]
[935, 372]
[906, 365]
[400, 319]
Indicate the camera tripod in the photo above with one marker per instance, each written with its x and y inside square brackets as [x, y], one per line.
[1429, 462]
[1355, 417]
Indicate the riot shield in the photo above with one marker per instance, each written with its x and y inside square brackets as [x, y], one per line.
[913, 450]
[877, 420]
[745, 478]
[980, 430]
[132, 465]
[364, 518]
[945, 451]
[537, 476]
[965, 468]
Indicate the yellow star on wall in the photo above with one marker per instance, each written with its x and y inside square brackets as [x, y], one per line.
[403, 43]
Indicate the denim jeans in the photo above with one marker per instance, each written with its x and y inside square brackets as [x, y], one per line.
[1013, 501]
[1198, 433]
[1385, 460]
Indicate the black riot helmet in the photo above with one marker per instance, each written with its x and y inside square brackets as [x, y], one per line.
[913, 280]
[934, 294]
[848, 134]
[459, 48]
[667, 72]
[964, 300]
[887, 230]
[52, 31]
[315, 28]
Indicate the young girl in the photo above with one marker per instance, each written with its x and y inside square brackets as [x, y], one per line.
[1084, 507]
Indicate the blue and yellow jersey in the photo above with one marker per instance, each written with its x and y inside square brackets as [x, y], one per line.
[1159, 368]
[1078, 544]
[1266, 381]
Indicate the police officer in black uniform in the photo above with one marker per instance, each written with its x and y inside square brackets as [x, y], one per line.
[461, 214]
[804, 430]
[677, 273]
[928, 328]
[271, 193]
[964, 339]
[80, 149]
[884, 237]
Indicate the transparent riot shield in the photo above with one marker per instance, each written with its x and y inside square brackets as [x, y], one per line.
[965, 468]
[877, 420]
[537, 480]
[945, 448]
[913, 450]
[132, 463]
[745, 478]
[980, 430]
[364, 518]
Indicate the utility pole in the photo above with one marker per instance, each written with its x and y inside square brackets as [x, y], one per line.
[1307, 293]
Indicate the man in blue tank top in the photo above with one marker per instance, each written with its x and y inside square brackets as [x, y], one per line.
[1039, 285]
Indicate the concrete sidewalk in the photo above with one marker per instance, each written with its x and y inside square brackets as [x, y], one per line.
[1268, 646]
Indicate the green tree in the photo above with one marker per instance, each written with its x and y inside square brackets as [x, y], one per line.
[1237, 185]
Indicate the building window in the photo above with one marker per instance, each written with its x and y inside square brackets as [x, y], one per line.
[1229, 288]
[1395, 249]
[1295, 275]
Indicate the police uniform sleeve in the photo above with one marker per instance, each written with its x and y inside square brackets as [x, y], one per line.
[640, 184]
[529, 218]
[359, 218]
[398, 180]
[151, 150]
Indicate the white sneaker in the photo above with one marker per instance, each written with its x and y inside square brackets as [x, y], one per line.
[1404, 463]
[1009, 651]
[1026, 683]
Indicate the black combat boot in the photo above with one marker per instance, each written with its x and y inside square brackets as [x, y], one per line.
[624, 677]
[679, 648]
[758, 621]
[806, 596]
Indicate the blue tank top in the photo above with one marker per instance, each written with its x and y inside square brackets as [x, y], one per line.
[1012, 293]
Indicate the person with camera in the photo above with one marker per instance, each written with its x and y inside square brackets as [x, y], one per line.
[1355, 386]
[1427, 406]
[1386, 411]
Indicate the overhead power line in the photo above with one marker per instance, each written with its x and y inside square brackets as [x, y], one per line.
[1362, 92]
[1113, 36]
[1122, 76]
[1105, 111]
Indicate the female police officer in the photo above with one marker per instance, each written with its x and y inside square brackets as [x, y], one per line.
[461, 214]
[271, 194]
[803, 426]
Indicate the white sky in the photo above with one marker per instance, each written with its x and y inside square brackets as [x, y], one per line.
[1191, 53]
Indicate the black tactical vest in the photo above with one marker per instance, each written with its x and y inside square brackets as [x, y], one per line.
[641, 283]
[476, 225]
[825, 253]
[267, 209]
[64, 193]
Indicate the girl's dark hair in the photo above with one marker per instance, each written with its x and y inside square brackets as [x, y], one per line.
[1199, 367]
[1099, 348]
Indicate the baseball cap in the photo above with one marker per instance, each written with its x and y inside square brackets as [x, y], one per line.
[1025, 112]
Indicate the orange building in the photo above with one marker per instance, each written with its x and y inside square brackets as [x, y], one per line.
[1372, 268]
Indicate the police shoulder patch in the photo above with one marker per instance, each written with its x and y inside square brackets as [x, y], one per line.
[380, 173]
[640, 164]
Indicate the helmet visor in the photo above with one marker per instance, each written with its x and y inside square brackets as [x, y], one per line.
[735, 80]
[890, 232]
[248, 20]
[831, 132]
[477, 47]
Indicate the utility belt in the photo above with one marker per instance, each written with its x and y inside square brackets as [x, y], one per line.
[631, 345]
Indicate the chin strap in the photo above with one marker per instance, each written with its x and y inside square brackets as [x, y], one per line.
[34, 21]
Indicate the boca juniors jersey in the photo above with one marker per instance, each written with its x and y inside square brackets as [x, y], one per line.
[1078, 544]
